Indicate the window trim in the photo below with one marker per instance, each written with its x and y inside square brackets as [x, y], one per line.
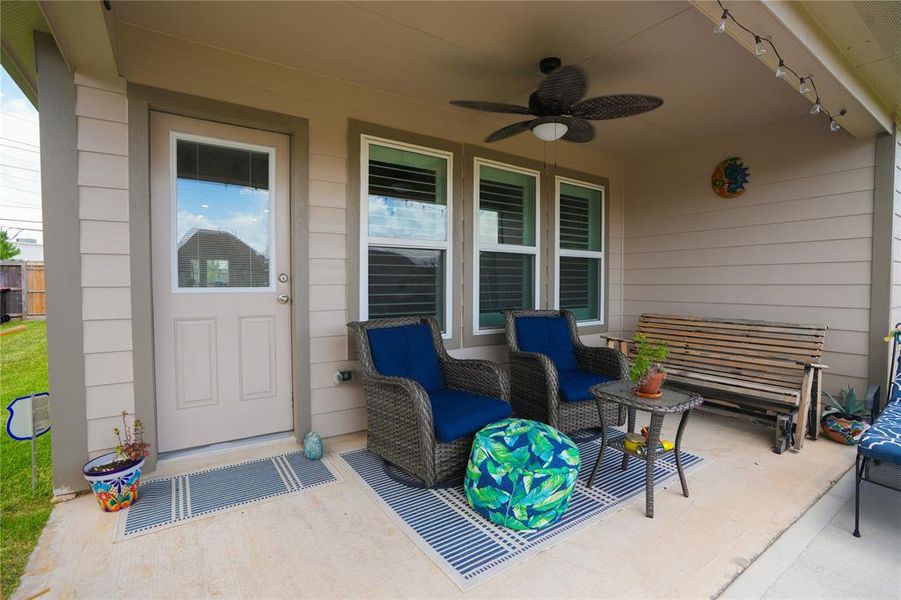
[365, 241]
[558, 176]
[478, 246]
[174, 137]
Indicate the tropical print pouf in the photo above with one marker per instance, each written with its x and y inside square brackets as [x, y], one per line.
[521, 473]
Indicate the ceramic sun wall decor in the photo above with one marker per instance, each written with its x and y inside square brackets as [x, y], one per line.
[729, 178]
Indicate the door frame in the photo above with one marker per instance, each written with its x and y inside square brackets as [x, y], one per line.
[142, 100]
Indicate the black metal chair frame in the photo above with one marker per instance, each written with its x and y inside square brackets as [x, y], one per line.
[880, 472]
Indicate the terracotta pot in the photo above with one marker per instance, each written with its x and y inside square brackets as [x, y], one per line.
[652, 385]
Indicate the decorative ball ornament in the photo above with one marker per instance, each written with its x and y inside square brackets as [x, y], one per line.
[312, 446]
[729, 178]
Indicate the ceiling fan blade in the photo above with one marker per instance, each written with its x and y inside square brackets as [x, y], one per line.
[614, 107]
[580, 131]
[562, 88]
[509, 130]
[500, 107]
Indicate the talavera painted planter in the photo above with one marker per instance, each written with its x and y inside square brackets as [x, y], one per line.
[117, 489]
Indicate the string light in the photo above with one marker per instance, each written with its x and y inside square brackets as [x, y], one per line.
[722, 26]
[805, 82]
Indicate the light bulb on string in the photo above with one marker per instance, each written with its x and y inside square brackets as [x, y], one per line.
[817, 108]
[803, 88]
[721, 27]
[780, 70]
[833, 126]
[759, 48]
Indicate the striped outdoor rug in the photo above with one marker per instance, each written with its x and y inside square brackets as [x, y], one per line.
[171, 501]
[469, 548]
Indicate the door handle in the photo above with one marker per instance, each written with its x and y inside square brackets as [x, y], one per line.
[283, 298]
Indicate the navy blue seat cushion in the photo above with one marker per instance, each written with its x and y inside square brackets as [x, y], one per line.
[574, 385]
[458, 414]
[548, 336]
[407, 351]
[882, 441]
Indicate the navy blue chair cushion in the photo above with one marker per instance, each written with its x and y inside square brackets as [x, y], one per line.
[548, 336]
[574, 385]
[882, 441]
[407, 351]
[458, 414]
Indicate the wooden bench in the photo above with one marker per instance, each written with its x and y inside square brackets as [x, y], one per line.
[769, 370]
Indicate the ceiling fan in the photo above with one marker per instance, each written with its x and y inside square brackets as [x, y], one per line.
[558, 107]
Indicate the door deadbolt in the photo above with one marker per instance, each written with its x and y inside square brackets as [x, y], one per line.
[283, 277]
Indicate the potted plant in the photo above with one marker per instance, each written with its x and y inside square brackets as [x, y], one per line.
[845, 418]
[114, 477]
[646, 370]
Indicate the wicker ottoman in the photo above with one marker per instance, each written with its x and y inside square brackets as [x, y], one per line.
[521, 473]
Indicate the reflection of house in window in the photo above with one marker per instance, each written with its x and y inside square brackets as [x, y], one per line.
[210, 258]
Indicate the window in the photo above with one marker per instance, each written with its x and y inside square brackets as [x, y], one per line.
[506, 252]
[580, 249]
[406, 230]
[223, 207]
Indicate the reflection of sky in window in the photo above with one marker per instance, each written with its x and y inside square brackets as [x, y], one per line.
[239, 210]
[408, 219]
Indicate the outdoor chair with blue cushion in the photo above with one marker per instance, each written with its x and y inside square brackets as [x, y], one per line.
[879, 448]
[424, 406]
[551, 371]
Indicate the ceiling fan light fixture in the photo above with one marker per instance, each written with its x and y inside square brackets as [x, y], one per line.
[550, 131]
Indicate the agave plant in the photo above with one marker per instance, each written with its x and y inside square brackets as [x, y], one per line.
[846, 406]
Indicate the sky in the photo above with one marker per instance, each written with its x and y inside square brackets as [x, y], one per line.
[20, 166]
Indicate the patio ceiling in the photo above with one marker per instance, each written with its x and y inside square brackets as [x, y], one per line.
[437, 51]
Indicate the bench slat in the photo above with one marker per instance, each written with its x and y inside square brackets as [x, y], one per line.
[776, 344]
[739, 323]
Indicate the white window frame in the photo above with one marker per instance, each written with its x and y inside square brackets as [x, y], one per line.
[595, 254]
[174, 137]
[479, 246]
[445, 245]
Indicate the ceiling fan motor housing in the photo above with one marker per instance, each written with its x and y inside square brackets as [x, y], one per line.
[549, 63]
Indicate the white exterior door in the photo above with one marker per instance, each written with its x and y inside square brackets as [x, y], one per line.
[219, 197]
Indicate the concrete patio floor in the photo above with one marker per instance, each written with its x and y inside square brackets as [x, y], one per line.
[336, 542]
[817, 557]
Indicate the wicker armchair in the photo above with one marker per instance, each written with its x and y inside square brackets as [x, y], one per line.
[535, 392]
[401, 425]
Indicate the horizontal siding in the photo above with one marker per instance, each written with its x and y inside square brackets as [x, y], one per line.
[101, 109]
[896, 241]
[797, 246]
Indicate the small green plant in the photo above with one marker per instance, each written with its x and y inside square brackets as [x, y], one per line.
[648, 357]
[131, 444]
[846, 406]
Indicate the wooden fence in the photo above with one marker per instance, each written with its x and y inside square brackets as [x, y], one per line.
[23, 293]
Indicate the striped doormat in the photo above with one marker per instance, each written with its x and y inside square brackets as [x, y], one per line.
[171, 501]
[469, 548]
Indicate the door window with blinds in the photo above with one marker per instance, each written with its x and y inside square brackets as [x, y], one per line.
[405, 254]
[580, 249]
[506, 215]
[223, 221]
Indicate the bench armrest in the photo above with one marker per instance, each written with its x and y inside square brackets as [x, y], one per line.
[816, 366]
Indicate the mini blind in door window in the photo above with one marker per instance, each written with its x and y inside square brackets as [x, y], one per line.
[222, 216]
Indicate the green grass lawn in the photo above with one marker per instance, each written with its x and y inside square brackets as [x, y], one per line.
[23, 512]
